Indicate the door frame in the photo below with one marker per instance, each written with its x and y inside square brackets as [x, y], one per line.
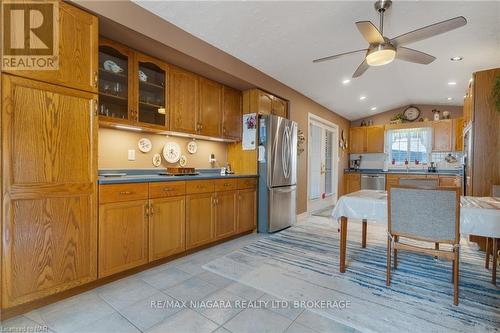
[336, 158]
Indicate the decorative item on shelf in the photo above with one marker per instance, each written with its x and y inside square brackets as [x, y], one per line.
[172, 152]
[156, 160]
[450, 158]
[421, 120]
[142, 76]
[370, 122]
[161, 110]
[426, 119]
[446, 114]
[436, 113]
[411, 113]
[192, 147]
[111, 66]
[398, 119]
[183, 160]
[181, 171]
[145, 145]
[301, 138]
[363, 124]
[495, 93]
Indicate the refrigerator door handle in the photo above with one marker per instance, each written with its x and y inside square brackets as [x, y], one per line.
[285, 152]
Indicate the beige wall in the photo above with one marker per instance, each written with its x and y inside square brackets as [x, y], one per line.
[190, 52]
[114, 145]
[425, 111]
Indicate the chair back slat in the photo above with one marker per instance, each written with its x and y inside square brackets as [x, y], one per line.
[419, 182]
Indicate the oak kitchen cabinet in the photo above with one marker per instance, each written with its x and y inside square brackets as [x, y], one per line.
[231, 113]
[352, 182]
[459, 137]
[366, 139]
[184, 101]
[261, 102]
[442, 133]
[49, 202]
[136, 91]
[210, 108]
[167, 219]
[200, 220]
[123, 227]
[247, 205]
[78, 44]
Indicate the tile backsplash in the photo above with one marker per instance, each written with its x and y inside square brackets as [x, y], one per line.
[376, 161]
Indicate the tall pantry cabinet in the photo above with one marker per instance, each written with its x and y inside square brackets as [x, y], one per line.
[49, 169]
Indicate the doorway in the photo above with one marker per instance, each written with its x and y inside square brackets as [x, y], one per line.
[322, 165]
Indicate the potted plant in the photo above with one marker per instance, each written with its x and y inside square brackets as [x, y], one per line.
[398, 119]
[496, 92]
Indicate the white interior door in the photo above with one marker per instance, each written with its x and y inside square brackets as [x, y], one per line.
[322, 165]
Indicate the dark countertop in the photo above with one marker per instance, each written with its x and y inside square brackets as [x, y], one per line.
[152, 175]
[446, 172]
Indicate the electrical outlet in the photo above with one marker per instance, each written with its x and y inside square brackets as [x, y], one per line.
[131, 154]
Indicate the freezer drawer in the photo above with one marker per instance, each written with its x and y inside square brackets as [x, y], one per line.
[282, 207]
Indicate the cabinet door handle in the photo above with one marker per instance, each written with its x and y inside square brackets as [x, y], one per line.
[125, 192]
[168, 189]
[146, 210]
[151, 210]
[227, 184]
[95, 79]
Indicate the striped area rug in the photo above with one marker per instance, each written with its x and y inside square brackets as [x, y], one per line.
[301, 264]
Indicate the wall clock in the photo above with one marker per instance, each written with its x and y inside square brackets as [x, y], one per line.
[411, 113]
[192, 147]
[145, 145]
[171, 152]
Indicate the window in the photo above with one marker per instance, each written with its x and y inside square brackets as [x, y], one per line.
[413, 144]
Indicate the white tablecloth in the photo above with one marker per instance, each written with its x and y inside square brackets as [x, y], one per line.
[478, 216]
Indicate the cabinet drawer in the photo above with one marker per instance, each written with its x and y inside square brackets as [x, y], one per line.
[225, 185]
[122, 192]
[247, 183]
[199, 186]
[167, 189]
[448, 181]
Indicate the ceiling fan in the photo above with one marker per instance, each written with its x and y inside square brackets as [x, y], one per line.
[383, 50]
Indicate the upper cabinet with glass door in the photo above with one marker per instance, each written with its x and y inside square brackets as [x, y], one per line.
[152, 92]
[115, 85]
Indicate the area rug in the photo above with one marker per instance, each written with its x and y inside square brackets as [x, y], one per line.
[302, 264]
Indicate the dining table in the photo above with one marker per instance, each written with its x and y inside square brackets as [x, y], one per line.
[479, 216]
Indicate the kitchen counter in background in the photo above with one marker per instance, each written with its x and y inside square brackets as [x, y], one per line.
[445, 172]
[152, 175]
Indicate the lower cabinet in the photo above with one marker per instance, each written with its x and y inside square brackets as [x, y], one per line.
[225, 213]
[123, 236]
[200, 226]
[352, 182]
[247, 210]
[167, 232]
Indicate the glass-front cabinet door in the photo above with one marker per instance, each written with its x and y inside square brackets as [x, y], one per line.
[152, 92]
[115, 88]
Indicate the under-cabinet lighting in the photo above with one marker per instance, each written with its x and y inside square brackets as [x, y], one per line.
[130, 128]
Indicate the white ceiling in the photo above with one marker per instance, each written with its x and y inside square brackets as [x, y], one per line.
[282, 38]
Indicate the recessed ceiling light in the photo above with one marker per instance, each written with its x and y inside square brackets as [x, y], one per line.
[346, 81]
[456, 58]
[373, 108]
[449, 98]
[362, 98]
[452, 83]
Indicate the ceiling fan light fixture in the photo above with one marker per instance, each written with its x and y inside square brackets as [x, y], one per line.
[381, 55]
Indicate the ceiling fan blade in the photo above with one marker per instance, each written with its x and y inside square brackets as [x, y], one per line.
[361, 69]
[370, 32]
[411, 55]
[429, 31]
[338, 56]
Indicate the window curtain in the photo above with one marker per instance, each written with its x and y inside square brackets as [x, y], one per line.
[411, 144]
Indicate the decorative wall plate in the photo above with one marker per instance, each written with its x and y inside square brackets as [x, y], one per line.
[156, 160]
[145, 145]
[171, 152]
[183, 160]
[192, 147]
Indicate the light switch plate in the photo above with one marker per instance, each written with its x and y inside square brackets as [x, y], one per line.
[131, 154]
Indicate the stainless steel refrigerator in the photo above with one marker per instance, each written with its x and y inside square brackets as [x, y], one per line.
[277, 173]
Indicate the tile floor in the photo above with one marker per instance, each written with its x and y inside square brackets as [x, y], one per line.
[126, 305]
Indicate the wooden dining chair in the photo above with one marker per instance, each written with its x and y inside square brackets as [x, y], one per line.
[424, 214]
